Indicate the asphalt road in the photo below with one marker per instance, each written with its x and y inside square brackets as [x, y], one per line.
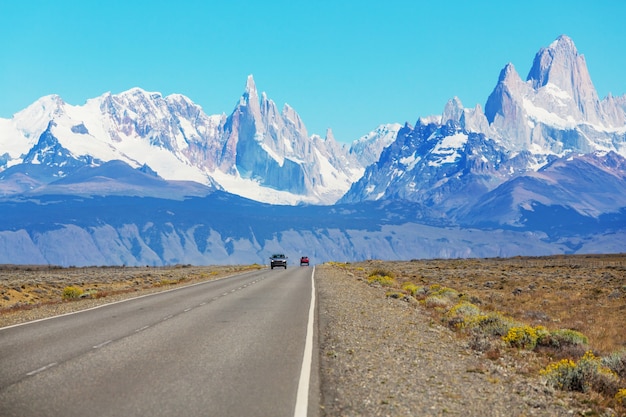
[231, 347]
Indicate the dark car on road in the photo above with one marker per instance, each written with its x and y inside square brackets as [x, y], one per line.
[278, 259]
[304, 261]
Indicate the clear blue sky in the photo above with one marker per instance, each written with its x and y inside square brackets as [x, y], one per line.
[347, 65]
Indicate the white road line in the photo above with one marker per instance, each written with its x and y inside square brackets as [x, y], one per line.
[43, 368]
[102, 344]
[168, 317]
[141, 329]
[117, 302]
[302, 399]
[188, 309]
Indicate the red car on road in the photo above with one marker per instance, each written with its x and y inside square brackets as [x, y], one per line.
[304, 261]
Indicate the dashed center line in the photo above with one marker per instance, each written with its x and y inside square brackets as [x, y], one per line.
[106, 342]
[102, 344]
[43, 368]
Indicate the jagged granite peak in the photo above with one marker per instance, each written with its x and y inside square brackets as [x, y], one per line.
[556, 111]
[57, 160]
[453, 110]
[441, 166]
[501, 100]
[560, 64]
[272, 149]
[368, 148]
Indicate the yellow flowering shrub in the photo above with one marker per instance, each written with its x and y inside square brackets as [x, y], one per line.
[384, 280]
[583, 376]
[71, 292]
[410, 288]
[524, 337]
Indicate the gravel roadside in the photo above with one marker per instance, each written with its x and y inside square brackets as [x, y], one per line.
[381, 356]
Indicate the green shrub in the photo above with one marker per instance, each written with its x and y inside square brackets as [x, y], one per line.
[564, 337]
[464, 309]
[563, 375]
[493, 323]
[588, 374]
[458, 314]
[71, 293]
[450, 293]
[616, 362]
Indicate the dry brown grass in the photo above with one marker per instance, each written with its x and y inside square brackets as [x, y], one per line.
[27, 287]
[586, 293]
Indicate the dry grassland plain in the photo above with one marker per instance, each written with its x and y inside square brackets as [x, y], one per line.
[586, 293]
[29, 292]
[526, 305]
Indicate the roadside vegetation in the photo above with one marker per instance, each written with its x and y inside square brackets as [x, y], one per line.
[27, 287]
[562, 318]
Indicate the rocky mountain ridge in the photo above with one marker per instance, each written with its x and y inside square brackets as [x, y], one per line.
[140, 179]
[258, 151]
[452, 162]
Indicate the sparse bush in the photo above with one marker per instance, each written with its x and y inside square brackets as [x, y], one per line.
[72, 293]
[482, 342]
[493, 323]
[382, 273]
[166, 281]
[441, 297]
[620, 397]
[458, 314]
[449, 293]
[563, 375]
[384, 280]
[564, 337]
[587, 374]
[394, 294]
[464, 309]
[616, 362]
[437, 301]
[524, 337]
[410, 288]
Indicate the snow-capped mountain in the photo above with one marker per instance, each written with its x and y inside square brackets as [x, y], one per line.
[440, 166]
[267, 148]
[453, 161]
[368, 148]
[141, 179]
[557, 109]
[257, 152]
